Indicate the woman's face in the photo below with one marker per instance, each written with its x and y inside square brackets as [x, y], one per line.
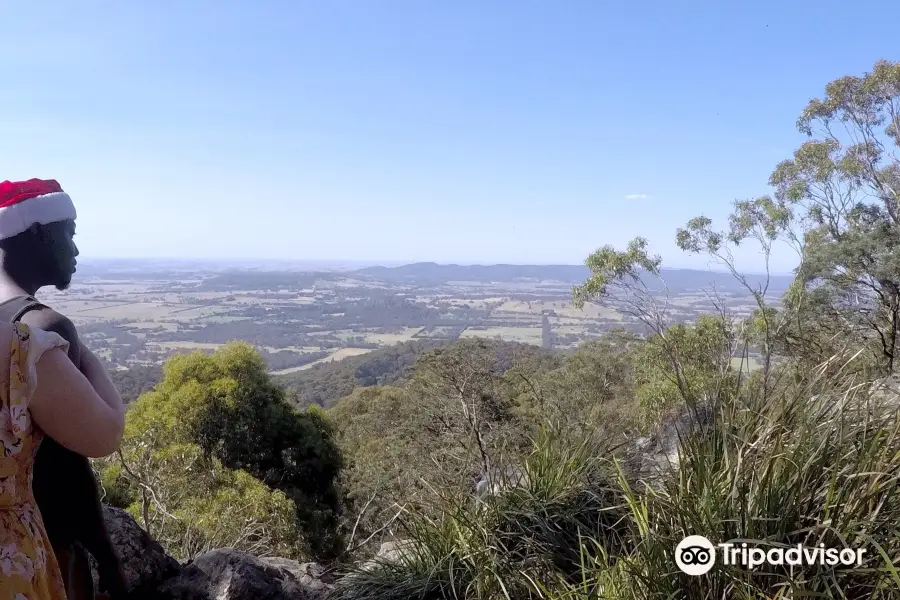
[59, 239]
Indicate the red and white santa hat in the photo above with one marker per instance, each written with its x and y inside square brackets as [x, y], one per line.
[24, 203]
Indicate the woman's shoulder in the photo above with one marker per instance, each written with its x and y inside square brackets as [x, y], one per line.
[34, 336]
[21, 349]
[24, 345]
[12, 333]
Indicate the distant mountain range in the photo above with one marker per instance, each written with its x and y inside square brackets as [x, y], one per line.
[677, 280]
[420, 274]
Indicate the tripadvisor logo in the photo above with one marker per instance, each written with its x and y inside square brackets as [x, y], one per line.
[696, 555]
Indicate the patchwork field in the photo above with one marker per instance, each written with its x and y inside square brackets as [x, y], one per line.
[300, 319]
[562, 308]
[150, 311]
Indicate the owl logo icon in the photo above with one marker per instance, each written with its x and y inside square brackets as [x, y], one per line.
[695, 555]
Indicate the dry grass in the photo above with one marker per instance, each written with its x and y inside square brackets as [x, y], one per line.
[389, 339]
[288, 299]
[295, 349]
[334, 357]
[185, 345]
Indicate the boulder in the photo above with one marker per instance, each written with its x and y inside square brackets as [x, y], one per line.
[228, 574]
[144, 562]
[394, 550]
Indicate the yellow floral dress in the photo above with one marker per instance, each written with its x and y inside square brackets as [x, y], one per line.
[28, 568]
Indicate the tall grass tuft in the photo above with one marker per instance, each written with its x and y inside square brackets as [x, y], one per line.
[503, 546]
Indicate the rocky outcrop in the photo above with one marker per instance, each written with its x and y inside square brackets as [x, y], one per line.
[313, 577]
[221, 574]
[649, 458]
[226, 574]
[144, 562]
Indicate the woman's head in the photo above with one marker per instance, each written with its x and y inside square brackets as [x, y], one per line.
[37, 230]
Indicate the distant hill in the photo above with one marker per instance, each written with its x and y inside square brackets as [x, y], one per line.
[429, 273]
[326, 383]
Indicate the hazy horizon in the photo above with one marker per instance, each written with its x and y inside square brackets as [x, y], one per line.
[359, 264]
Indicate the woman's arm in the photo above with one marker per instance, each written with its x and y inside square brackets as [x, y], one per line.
[67, 407]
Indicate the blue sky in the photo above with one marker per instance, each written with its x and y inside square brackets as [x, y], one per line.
[503, 131]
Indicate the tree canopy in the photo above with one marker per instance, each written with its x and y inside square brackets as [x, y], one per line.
[221, 411]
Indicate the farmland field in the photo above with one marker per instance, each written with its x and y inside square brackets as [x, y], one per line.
[527, 335]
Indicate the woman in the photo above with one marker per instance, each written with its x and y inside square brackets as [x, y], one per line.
[42, 392]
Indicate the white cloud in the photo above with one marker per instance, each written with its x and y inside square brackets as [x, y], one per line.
[638, 197]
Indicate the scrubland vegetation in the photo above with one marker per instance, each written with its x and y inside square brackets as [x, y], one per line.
[799, 449]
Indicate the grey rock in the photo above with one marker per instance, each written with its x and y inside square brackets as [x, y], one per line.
[394, 550]
[311, 576]
[688, 422]
[643, 443]
[650, 458]
[499, 479]
[390, 552]
[228, 574]
[886, 391]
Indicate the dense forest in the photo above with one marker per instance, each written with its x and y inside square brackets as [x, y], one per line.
[133, 382]
[505, 471]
